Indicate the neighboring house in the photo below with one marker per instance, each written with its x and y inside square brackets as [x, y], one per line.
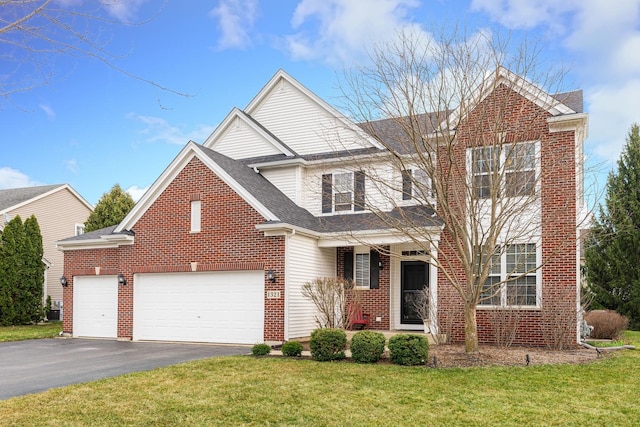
[219, 247]
[60, 212]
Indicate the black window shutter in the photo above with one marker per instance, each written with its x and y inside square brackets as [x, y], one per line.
[406, 185]
[327, 183]
[374, 277]
[348, 265]
[358, 200]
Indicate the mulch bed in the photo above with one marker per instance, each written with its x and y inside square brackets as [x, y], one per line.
[454, 356]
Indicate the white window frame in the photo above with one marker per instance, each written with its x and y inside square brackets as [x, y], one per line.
[420, 175]
[509, 160]
[503, 162]
[362, 267]
[336, 191]
[79, 227]
[196, 216]
[501, 273]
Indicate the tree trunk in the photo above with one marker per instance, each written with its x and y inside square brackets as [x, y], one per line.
[470, 329]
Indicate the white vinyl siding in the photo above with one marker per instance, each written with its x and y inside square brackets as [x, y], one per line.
[287, 180]
[55, 224]
[241, 142]
[301, 123]
[305, 262]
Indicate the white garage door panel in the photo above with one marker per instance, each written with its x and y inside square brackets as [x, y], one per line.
[221, 307]
[95, 306]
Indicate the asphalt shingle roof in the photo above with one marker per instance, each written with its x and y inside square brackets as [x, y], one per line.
[290, 213]
[92, 234]
[14, 196]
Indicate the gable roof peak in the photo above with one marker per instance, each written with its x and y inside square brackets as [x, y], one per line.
[12, 198]
[517, 83]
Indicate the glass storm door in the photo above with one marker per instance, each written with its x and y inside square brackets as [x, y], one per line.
[414, 277]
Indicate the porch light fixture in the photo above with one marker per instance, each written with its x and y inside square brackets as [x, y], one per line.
[64, 282]
[121, 280]
[271, 276]
[380, 265]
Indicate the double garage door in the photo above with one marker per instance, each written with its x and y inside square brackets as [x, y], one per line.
[220, 307]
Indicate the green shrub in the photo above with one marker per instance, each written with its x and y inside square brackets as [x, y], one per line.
[367, 346]
[408, 349]
[261, 349]
[328, 344]
[292, 349]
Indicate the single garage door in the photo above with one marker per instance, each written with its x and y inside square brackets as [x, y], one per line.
[217, 307]
[95, 306]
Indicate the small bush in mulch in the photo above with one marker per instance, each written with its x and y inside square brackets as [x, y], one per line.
[328, 344]
[261, 349]
[408, 349]
[292, 349]
[607, 324]
[367, 346]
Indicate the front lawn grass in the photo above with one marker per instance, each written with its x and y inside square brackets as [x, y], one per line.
[245, 390]
[29, 332]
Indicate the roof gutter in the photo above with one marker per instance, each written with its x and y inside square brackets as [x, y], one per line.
[104, 242]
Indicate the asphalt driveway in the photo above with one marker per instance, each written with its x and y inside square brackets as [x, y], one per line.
[37, 365]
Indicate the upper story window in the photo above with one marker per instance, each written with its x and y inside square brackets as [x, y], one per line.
[485, 167]
[516, 266]
[343, 192]
[517, 163]
[520, 169]
[79, 229]
[415, 184]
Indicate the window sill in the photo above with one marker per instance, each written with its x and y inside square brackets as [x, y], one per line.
[509, 307]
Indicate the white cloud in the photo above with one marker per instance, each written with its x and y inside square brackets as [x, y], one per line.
[124, 11]
[613, 108]
[137, 192]
[72, 166]
[602, 40]
[159, 130]
[339, 31]
[525, 14]
[13, 178]
[48, 111]
[235, 20]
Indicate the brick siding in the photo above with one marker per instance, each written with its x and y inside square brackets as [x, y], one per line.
[527, 122]
[164, 243]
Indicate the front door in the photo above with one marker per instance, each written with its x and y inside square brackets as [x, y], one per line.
[414, 277]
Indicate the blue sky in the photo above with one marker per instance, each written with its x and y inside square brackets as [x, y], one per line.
[92, 126]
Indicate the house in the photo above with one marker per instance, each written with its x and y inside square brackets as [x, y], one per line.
[60, 212]
[219, 247]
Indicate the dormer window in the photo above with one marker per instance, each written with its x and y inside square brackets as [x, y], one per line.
[343, 192]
